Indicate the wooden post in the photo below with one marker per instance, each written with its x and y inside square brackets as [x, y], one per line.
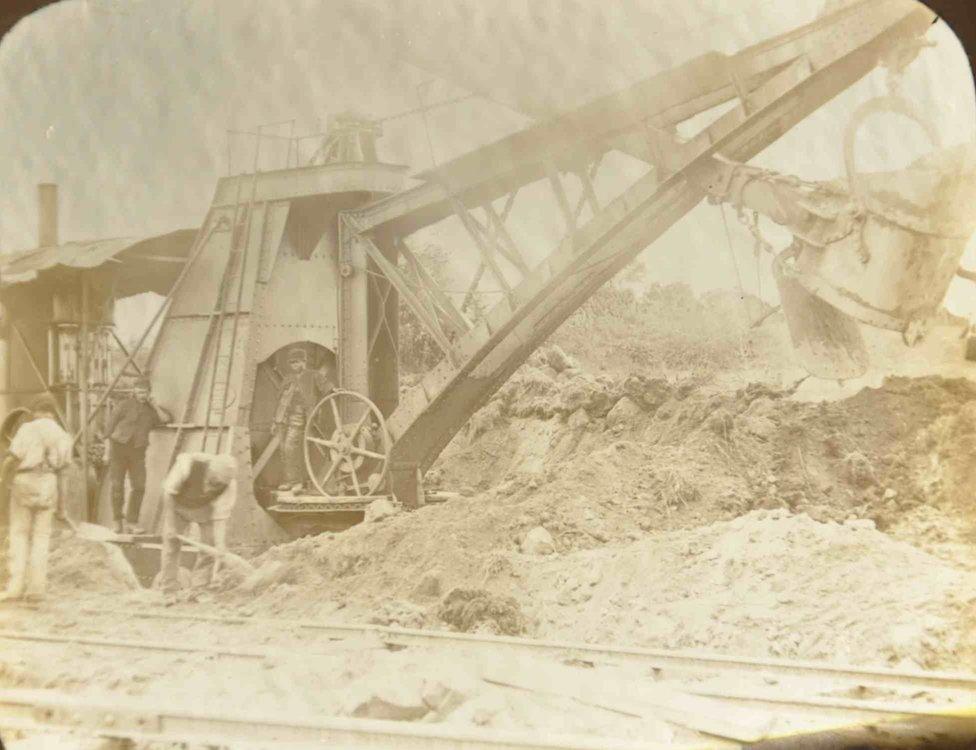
[5, 397]
[83, 357]
[37, 370]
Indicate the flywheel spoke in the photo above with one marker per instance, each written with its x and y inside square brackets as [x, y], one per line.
[355, 479]
[330, 472]
[359, 425]
[346, 451]
[363, 452]
[320, 441]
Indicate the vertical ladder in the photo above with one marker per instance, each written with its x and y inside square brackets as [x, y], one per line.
[223, 363]
[218, 316]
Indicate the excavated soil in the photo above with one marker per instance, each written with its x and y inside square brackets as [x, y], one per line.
[666, 501]
[665, 507]
[638, 511]
[765, 584]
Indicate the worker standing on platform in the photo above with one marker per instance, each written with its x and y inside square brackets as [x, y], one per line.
[201, 488]
[302, 390]
[128, 432]
[38, 454]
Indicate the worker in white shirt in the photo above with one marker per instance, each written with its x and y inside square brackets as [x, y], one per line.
[37, 455]
[200, 488]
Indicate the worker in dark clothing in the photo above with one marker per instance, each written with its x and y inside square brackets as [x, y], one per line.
[128, 432]
[303, 389]
[200, 488]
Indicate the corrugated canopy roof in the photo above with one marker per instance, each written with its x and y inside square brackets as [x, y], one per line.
[147, 264]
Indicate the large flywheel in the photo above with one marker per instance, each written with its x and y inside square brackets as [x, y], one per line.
[347, 446]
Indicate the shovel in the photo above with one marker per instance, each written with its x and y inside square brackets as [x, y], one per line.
[236, 562]
[92, 532]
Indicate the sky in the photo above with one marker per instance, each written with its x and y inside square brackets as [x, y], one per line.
[127, 104]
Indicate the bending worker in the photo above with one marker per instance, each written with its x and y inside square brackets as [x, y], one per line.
[38, 454]
[200, 488]
[302, 390]
[128, 431]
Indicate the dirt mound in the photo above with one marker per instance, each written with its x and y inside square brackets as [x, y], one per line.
[80, 565]
[949, 445]
[602, 463]
[470, 610]
[673, 454]
[766, 584]
[770, 583]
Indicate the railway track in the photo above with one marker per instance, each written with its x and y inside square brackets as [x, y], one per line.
[663, 662]
[728, 713]
[34, 712]
[853, 709]
[50, 712]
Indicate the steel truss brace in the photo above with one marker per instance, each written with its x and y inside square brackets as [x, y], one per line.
[410, 294]
[383, 322]
[552, 172]
[427, 418]
[497, 234]
[437, 300]
[588, 196]
[496, 224]
[485, 243]
[473, 287]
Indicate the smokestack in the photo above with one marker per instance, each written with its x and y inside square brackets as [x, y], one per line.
[47, 214]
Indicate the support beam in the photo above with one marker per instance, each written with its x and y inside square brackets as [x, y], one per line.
[440, 298]
[412, 276]
[269, 450]
[83, 404]
[557, 187]
[473, 288]
[598, 250]
[509, 203]
[353, 312]
[213, 224]
[125, 352]
[405, 290]
[566, 138]
[588, 194]
[506, 247]
[382, 323]
[475, 230]
[37, 371]
[586, 181]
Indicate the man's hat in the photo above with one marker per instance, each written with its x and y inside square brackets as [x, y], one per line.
[297, 354]
[43, 403]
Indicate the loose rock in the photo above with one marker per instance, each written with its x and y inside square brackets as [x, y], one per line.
[538, 542]
[379, 509]
[624, 412]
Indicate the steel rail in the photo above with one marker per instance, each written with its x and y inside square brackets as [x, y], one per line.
[660, 659]
[50, 711]
[847, 707]
[772, 703]
[13, 635]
